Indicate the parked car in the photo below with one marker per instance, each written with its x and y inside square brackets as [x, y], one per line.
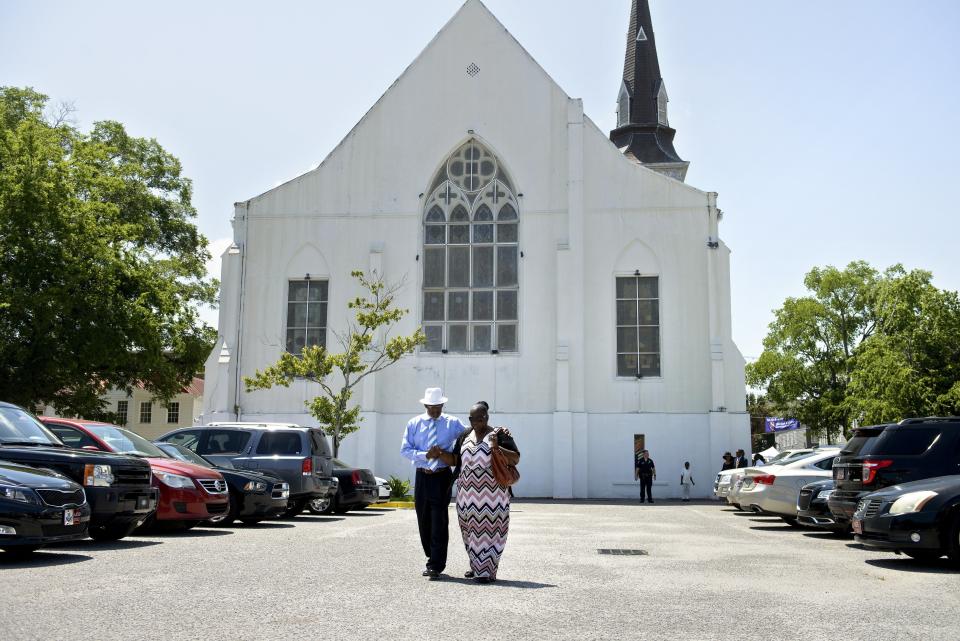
[911, 450]
[189, 494]
[39, 507]
[812, 507]
[775, 489]
[920, 519]
[726, 480]
[254, 496]
[356, 490]
[298, 455]
[117, 487]
[383, 488]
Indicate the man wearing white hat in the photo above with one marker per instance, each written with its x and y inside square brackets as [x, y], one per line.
[425, 437]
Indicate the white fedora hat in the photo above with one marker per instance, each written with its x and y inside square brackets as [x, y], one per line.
[433, 396]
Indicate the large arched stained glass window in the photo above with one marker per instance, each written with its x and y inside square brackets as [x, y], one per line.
[471, 256]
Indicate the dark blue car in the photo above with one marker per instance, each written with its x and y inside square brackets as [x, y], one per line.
[920, 519]
[39, 507]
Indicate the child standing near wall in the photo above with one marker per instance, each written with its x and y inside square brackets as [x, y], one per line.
[686, 480]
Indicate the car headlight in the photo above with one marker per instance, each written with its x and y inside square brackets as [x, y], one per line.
[255, 486]
[97, 476]
[912, 502]
[19, 494]
[823, 496]
[175, 480]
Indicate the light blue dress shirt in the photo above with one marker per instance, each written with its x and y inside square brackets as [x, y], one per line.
[415, 438]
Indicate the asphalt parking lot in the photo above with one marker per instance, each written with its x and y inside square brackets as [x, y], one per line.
[709, 573]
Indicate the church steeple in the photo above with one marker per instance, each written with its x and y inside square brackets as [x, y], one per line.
[643, 131]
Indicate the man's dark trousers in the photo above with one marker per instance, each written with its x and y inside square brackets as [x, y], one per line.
[646, 484]
[431, 497]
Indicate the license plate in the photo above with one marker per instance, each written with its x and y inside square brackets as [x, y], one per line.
[68, 517]
[857, 526]
[841, 474]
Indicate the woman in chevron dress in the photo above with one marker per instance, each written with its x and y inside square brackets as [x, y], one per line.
[483, 505]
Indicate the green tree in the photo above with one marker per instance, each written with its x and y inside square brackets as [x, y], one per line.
[809, 352]
[101, 269]
[367, 349]
[911, 365]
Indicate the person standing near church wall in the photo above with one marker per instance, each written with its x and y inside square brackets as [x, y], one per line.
[646, 472]
[686, 480]
[425, 440]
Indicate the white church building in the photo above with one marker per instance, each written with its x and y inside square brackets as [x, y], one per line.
[568, 277]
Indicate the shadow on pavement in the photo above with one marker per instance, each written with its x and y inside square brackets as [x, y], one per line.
[39, 559]
[906, 564]
[754, 514]
[856, 546]
[364, 513]
[772, 528]
[314, 519]
[195, 533]
[827, 536]
[261, 526]
[503, 583]
[89, 544]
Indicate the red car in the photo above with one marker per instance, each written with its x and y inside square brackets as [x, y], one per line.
[189, 494]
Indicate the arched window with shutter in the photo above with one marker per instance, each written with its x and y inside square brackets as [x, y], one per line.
[471, 279]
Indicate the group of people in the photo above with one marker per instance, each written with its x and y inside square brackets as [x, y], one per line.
[731, 463]
[445, 450]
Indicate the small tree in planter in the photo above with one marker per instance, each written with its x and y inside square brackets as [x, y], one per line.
[399, 488]
[367, 349]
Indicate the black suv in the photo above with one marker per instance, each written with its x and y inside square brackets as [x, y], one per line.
[299, 455]
[878, 457]
[117, 487]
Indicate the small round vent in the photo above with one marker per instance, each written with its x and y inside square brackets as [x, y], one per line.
[473, 70]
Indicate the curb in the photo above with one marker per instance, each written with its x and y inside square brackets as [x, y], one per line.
[399, 505]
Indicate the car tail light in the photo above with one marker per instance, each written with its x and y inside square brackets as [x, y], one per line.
[307, 466]
[870, 469]
[355, 477]
[764, 479]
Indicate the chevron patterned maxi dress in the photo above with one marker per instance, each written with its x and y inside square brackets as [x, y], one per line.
[483, 509]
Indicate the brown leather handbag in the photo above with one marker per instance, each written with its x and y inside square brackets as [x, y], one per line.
[505, 474]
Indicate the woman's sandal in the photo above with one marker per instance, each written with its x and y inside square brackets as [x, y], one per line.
[468, 574]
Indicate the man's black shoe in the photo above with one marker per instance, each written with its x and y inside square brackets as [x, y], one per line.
[649, 500]
[425, 572]
[468, 574]
[433, 575]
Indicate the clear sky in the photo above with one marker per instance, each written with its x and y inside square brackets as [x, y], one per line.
[829, 128]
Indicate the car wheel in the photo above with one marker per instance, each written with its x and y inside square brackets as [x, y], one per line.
[294, 507]
[342, 509]
[736, 505]
[230, 516]
[112, 531]
[924, 555]
[791, 521]
[319, 506]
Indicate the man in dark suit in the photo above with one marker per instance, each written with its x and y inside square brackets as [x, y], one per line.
[741, 460]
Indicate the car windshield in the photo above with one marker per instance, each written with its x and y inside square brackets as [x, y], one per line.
[121, 441]
[185, 455]
[786, 457]
[21, 428]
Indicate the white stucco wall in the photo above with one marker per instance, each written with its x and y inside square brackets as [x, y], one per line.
[587, 214]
